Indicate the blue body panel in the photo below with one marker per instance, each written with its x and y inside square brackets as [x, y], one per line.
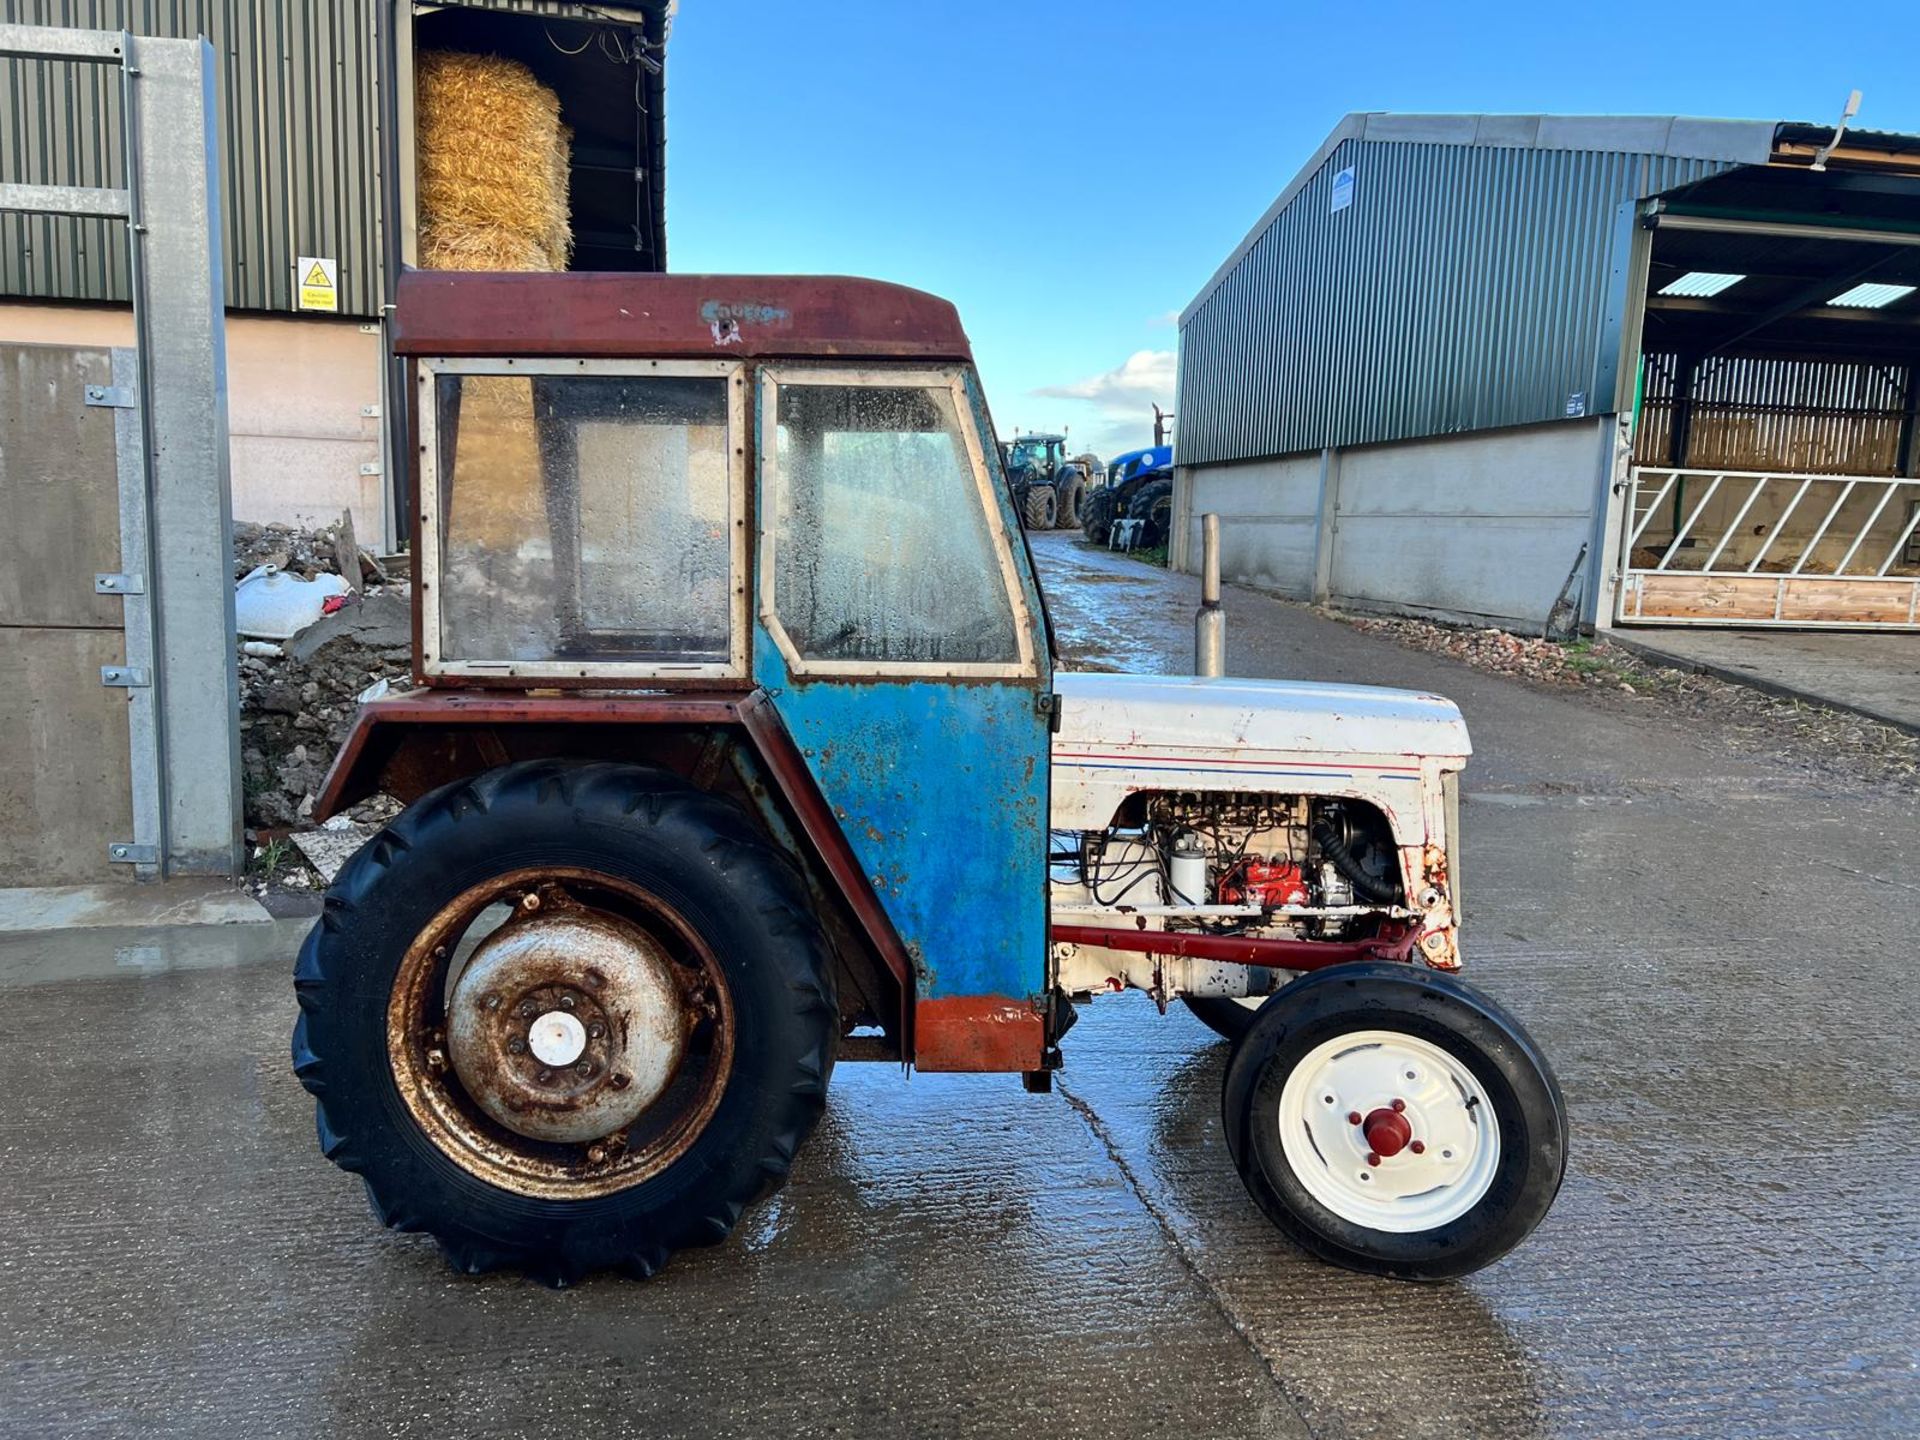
[941, 787]
[1135, 462]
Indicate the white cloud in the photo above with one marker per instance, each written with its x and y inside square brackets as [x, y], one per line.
[1143, 380]
[1106, 413]
[1115, 408]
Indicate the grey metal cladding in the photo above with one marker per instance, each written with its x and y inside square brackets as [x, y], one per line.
[299, 161]
[1464, 288]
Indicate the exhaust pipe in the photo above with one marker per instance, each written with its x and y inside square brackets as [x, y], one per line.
[1210, 624]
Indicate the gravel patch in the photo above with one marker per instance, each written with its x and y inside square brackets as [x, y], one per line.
[1814, 737]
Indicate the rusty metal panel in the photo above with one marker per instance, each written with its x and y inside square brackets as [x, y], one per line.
[657, 316]
[1462, 283]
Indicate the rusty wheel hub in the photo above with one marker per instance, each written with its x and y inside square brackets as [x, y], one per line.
[567, 1023]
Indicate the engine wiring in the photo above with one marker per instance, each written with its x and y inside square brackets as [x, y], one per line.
[1226, 828]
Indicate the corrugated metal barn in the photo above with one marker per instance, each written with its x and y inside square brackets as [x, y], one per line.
[1465, 364]
[316, 117]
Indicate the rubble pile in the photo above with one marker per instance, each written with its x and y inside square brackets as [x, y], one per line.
[305, 553]
[296, 706]
[351, 640]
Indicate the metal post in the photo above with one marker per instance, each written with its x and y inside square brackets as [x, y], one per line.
[186, 726]
[1210, 625]
[180, 301]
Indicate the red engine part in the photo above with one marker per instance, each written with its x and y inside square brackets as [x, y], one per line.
[1260, 882]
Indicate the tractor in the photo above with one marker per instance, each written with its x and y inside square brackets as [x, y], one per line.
[729, 758]
[1137, 486]
[1048, 484]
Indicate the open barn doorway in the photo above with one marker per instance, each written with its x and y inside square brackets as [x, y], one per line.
[1774, 462]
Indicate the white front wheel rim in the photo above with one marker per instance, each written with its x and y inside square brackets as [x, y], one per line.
[1448, 1140]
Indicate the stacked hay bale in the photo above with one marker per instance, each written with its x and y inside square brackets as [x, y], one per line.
[493, 162]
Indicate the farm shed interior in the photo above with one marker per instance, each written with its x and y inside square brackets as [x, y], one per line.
[606, 65]
[1775, 452]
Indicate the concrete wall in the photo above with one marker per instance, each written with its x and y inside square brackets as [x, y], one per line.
[1481, 527]
[65, 783]
[296, 389]
[1274, 532]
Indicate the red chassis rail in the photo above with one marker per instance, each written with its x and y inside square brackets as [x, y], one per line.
[1274, 953]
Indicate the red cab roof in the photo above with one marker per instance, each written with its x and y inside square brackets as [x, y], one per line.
[650, 316]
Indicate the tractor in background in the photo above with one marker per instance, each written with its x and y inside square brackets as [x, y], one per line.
[1049, 486]
[1138, 486]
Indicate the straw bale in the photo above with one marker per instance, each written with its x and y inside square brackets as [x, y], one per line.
[493, 161]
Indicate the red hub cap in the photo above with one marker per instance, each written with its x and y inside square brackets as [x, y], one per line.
[1387, 1131]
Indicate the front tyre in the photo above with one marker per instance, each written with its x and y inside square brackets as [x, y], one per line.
[1393, 1120]
[1040, 508]
[565, 1018]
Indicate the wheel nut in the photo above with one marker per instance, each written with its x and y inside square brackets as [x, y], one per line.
[530, 902]
[493, 1002]
[526, 1010]
[1399, 1105]
[1372, 1159]
[1353, 1117]
[619, 1082]
[585, 1068]
[596, 1030]
[1418, 1147]
[436, 1060]
[517, 1046]
[597, 1154]
[566, 1002]
[546, 1077]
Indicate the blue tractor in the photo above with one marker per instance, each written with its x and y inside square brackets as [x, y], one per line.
[1139, 486]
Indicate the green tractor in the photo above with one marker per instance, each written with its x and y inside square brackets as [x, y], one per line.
[1048, 484]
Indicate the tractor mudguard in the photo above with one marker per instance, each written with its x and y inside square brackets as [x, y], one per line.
[410, 745]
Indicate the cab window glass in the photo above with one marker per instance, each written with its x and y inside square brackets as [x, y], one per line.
[882, 548]
[583, 518]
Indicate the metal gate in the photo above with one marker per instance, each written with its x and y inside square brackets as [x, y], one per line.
[1754, 548]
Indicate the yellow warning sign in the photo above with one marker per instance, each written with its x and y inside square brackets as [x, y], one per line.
[319, 283]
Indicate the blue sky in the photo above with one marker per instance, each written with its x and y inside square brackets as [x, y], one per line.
[1069, 174]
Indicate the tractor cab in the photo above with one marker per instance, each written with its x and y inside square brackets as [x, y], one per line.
[736, 749]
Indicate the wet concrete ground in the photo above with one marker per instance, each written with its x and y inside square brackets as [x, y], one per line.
[1712, 950]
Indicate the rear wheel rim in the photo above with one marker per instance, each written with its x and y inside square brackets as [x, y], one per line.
[1389, 1131]
[461, 1128]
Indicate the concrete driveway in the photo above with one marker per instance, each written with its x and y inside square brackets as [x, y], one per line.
[1713, 951]
[1876, 674]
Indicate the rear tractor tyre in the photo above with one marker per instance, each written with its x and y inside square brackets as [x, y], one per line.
[1393, 1120]
[1072, 495]
[1040, 508]
[566, 1017]
[1096, 517]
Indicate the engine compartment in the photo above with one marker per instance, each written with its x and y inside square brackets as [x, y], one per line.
[1221, 865]
[1317, 867]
